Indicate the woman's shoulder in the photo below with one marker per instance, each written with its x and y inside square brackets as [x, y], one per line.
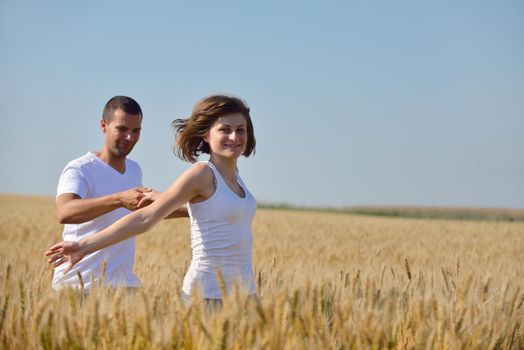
[202, 167]
[200, 171]
[201, 178]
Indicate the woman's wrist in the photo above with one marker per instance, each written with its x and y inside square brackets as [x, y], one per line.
[86, 247]
[155, 195]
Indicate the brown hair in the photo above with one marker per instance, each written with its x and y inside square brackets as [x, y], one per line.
[190, 132]
[127, 104]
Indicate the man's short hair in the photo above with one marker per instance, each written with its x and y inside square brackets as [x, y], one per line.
[127, 104]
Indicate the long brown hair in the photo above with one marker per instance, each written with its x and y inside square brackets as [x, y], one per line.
[190, 132]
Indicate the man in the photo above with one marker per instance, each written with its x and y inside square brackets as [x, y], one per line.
[99, 188]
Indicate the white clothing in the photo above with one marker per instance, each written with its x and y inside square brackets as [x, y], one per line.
[221, 239]
[90, 177]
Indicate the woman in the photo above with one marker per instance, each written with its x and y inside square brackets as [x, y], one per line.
[221, 208]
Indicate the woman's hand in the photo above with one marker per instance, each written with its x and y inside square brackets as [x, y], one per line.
[69, 252]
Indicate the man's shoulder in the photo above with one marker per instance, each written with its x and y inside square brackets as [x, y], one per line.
[84, 162]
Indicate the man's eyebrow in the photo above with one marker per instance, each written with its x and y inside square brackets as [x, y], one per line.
[125, 127]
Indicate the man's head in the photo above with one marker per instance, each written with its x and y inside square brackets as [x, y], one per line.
[121, 123]
[126, 104]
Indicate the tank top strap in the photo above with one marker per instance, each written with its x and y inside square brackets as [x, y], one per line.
[239, 179]
[216, 173]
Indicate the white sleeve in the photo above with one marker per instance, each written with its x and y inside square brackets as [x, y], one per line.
[72, 181]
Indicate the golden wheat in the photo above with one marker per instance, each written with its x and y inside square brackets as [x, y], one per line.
[325, 281]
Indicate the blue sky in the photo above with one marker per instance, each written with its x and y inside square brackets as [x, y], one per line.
[354, 103]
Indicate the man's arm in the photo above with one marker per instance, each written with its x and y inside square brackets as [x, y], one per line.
[179, 213]
[71, 209]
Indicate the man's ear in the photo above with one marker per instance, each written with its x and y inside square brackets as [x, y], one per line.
[103, 125]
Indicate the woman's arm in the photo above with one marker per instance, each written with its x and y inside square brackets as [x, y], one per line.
[194, 183]
[152, 196]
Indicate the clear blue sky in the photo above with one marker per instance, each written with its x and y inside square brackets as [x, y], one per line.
[354, 103]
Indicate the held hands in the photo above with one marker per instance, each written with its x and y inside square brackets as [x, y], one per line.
[148, 198]
[69, 252]
[135, 198]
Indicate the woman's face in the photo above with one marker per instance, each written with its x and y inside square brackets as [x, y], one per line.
[227, 137]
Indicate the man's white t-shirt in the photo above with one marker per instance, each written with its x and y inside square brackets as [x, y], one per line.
[90, 177]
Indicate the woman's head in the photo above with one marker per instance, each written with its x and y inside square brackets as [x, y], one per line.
[191, 133]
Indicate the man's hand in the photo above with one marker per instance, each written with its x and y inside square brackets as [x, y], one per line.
[131, 199]
[148, 198]
[69, 252]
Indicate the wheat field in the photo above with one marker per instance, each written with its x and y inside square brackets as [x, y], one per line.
[325, 281]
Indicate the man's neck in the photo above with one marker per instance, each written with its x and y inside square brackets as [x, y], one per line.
[117, 163]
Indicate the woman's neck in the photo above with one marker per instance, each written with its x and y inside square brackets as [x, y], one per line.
[226, 167]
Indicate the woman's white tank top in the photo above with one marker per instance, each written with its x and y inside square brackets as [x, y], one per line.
[221, 239]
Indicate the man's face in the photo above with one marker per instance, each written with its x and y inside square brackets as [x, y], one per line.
[122, 132]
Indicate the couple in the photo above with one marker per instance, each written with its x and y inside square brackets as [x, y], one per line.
[98, 191]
